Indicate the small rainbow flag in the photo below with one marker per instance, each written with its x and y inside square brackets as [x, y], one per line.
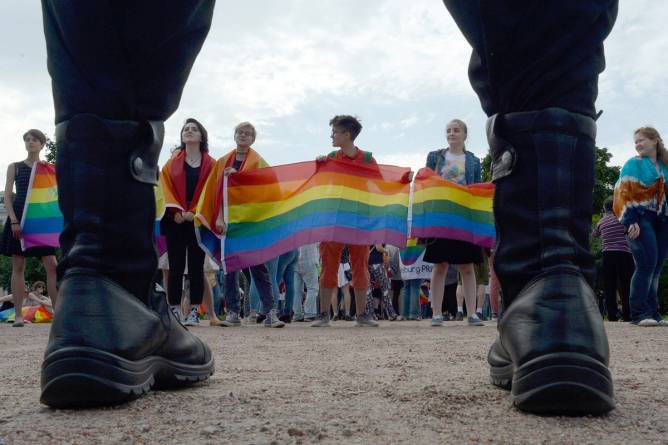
[272, 210]
[412, 252]
[443, 209]
[424, 294]
[32, 314]
[42, 221]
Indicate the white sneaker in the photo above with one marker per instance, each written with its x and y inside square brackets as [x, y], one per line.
[365, 321]
[322, 321]
[437, 320]
[647, 322]
[663, 323]
[232, 320]
[192, 319]
[272, 320]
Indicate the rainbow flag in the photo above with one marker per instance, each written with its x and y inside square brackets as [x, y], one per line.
[42, 221]
[160, 241]
[443, 209]
[270, 211]
[32, 314]
[411, 253]
[424, 295]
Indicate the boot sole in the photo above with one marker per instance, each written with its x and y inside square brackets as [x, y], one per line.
[80, 377]
[564, 383]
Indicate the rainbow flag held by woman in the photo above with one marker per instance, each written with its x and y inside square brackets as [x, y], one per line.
[443, 209]
[42, 221]
[270, 211]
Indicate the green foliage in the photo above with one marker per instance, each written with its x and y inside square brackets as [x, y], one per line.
[663, 290]
[606, 176]
[486, 167]
[5, 271]
[34, 271]
[51, 150]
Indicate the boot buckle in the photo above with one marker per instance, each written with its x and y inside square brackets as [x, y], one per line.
[144, 158]
[503, 153]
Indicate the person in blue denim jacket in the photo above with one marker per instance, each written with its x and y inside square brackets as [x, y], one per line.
[462, 167]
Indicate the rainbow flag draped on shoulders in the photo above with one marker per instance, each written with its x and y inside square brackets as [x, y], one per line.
[443, 209]
[211, 201]
[42, 221]
[270, 211]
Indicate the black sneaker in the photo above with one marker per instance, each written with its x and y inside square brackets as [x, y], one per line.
[260, 318]
[459, 316]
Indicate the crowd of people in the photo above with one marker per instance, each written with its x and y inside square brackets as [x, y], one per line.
[313, 282]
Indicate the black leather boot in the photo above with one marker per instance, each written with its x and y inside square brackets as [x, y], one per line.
[552, 347]
[113, 336]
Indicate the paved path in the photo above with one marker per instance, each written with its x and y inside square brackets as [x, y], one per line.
[404, 382]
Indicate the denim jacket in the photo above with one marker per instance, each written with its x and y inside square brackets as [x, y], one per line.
[472, 171]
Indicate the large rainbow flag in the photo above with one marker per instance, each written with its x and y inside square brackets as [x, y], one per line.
[42, 221]
[272, 210]
[443, 209]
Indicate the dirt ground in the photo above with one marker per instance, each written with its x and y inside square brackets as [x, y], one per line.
[404, 382]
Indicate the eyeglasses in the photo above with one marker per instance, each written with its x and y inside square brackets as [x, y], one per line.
[244, 133]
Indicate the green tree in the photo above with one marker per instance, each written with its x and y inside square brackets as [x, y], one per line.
[51, 150]
[486, 167]
[34, 271]
[606, 176]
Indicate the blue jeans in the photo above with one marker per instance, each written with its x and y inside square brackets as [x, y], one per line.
[310, 278]
[286, 272]
[649, 253]
[410, 299]
[262, 281]
[217, 297]
[253, 290]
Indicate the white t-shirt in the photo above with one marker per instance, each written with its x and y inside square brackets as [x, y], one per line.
[454, 168]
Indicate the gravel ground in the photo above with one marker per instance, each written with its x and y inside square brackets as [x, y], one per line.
[404, 382]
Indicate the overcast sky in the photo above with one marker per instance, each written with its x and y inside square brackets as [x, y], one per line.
[289, 66]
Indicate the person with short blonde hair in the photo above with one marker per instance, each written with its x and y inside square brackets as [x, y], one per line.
[240, 159]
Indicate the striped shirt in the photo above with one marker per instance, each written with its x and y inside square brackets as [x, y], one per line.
[612, 232]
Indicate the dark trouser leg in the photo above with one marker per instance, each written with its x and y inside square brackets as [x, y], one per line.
[611, 263]
[232, 291]
[540, 83]
[625, 272]
[264, 285]
[133, 62]
[111, 91]
[176, 254]
[196, 258]
[450, 298]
